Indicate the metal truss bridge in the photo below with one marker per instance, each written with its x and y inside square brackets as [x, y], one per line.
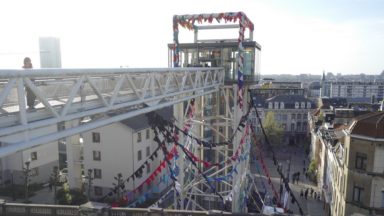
[65, 95]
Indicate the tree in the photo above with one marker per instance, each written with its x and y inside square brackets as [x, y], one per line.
[273, 130]
[54, 180]
[119, 186]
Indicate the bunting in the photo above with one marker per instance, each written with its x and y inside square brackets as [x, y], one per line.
[188, 22]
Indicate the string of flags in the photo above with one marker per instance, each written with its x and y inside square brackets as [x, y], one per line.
[188, 21]
[285, 180]
[173, 136]
[264, 167]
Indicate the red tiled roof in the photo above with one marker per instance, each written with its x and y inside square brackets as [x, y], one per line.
[370, 125]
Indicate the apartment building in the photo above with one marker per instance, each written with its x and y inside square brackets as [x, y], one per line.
[121, 147]
[40, 159]
[349, 154]
[351, 89]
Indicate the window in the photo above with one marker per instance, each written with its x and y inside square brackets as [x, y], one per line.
[293, 116]
[148, 151]
[296, 105]
[139, 155]
[97, 173]
[96, 155]
[139, 137]
[292, 127]
[298, 116]
[270, 106]
[148, 168]
[361, 161]
[276, 105]
[98, 191]
[305, 126]
[281, 105]
[302, 105]
[358, 193]
[33, 156]
[308, 105]
[147, 135]
[95, 137]
[298, 126]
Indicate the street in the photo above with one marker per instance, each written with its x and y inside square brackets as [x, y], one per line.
[310, 206]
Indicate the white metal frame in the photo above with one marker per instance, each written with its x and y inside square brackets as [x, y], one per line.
[74, 94]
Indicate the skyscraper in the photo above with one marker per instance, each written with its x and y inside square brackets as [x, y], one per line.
[50, 53]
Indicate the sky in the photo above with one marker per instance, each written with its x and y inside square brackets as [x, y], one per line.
[296, 36]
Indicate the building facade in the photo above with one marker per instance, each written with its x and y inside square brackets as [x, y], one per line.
[122, 147]
[290, 112]
[50, 52]
[41, 160]
[349, 155]
[350, 89]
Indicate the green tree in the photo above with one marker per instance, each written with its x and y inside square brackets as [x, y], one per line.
[273, 130]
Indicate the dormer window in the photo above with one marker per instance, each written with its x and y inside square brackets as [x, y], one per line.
[296, 105]
[302, 105]
[276, 105]
[308, 105]
[281, 105]
[270, 106]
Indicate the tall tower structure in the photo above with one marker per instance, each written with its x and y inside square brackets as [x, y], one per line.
[218, 115]
[50, 52]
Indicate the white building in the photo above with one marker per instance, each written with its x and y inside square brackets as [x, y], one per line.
[42, 160]
[50, 52]
[121, 147]
[290, 111]
[355, 89]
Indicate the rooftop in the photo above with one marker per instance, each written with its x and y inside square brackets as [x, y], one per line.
[369, 125]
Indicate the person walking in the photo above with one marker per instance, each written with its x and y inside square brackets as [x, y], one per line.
[306, 193]
[301, 193]
[30, 95]
[312, 192]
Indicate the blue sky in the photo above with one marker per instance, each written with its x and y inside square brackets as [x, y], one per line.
[297, 36]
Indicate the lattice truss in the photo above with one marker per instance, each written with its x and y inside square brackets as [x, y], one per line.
[73, 94]
[218, 159]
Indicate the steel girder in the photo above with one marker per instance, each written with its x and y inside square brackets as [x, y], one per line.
[76, 94]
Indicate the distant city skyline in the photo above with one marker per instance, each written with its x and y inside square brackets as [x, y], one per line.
[297, 37]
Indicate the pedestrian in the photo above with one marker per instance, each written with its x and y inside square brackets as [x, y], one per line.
[301, 193]
[312, 192]
[298, 177]
[315, 196]
[306, 193]
[30, 95]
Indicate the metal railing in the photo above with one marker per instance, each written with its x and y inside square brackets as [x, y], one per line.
[16, 209]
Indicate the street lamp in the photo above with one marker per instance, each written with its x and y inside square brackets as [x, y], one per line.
[89, 183]
[26, 171]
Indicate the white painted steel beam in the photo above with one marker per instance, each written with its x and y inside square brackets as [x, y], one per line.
[71, 94]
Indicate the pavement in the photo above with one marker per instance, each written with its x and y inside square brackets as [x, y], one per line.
[309, 206]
